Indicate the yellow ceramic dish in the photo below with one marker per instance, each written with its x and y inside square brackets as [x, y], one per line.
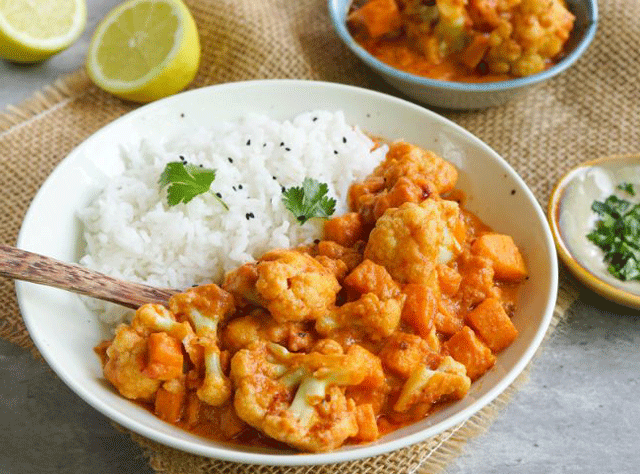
[571, 219]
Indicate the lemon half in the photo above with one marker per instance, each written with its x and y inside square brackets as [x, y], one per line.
[33, 30]
[144, 50]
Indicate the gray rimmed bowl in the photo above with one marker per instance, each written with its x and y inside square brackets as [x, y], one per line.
[460, 95]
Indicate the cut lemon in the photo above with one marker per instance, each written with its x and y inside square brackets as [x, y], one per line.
[145, 50]
[33, 30]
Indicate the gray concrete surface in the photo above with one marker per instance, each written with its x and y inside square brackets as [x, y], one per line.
[578, 412]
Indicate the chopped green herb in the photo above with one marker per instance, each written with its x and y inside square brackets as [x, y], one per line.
[617, 233]
[309, 201]
[187, 181]
[627, 188]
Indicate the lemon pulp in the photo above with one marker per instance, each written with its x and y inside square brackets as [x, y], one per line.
[32, 30]
[144, 50]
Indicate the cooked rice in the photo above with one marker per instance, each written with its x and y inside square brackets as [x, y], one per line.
[131, 232]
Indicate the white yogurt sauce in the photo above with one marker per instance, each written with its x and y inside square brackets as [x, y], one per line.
[576, 219]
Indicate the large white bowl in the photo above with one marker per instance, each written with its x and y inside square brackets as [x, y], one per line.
[65, 332]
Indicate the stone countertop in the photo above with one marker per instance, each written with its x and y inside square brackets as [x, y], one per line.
[578, 411]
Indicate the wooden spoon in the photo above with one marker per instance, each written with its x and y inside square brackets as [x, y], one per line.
[35, 268]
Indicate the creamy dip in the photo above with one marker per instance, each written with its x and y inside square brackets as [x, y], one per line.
[576, 219]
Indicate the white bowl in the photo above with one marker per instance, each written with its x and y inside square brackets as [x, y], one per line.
[65, 332]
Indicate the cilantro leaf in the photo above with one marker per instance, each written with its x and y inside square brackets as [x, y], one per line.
[617, 233]
[309, 201]
[186, 181]
[627, 188]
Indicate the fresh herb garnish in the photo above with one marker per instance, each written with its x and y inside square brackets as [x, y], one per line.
[309, 201]
[617, 233]
[187, 181]
[627, 188]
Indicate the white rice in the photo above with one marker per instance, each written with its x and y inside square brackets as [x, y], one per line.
[132, 233]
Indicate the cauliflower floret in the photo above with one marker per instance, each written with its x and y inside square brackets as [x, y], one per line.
[299, 398]
[410, 241]
[408, 174]
[295, 286]
[126, 360]
[244, 330]
[369, 314]
[449, 380]
[206, 306]
[376, 304]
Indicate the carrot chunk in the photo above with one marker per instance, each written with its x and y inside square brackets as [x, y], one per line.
[465, 347]
[345, 230]
[491, 322]
[168, 405]
[419, 308]
[507, 260]
[165, 357]
[378, 17]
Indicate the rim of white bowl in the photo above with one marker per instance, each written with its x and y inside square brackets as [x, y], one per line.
[354, 453]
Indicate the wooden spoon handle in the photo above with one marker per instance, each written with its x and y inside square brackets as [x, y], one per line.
[35, 268]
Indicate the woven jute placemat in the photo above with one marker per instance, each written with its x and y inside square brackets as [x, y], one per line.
[587, 112]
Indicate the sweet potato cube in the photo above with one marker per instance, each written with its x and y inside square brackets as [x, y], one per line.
[449, 280]
[369, 277]
[490, 321]
[507, 260]
[168, 405]
[165, 357]
[465, 347]
[345, 230]
[419, 308]
[378, 17]
[447, 320]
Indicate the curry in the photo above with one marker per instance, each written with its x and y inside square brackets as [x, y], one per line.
[463, 41]
[403, 304]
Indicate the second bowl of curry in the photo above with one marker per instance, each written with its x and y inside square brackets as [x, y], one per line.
[465, 55]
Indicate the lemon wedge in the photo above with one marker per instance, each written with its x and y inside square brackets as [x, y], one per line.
[144, 50]
[33, 30]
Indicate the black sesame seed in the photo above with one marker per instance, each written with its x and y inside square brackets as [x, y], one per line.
[302, 218]
[251, 214]
[182, 157]
[344, 139]
[219, 195]
[182, 115]
[274, 178]
[234, 188]
[239, 186]
[247, 216]
[335, 152]
[230, 160]
[315, 118]
[264, 145]
[281, 143]
[288, 149]
[201, 166]
[248, 142]
[283, 189]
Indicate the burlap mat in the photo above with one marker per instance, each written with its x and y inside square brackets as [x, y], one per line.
[587, 112]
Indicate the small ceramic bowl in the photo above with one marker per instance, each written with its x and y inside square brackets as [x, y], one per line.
[571, 219]
[459, 95]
